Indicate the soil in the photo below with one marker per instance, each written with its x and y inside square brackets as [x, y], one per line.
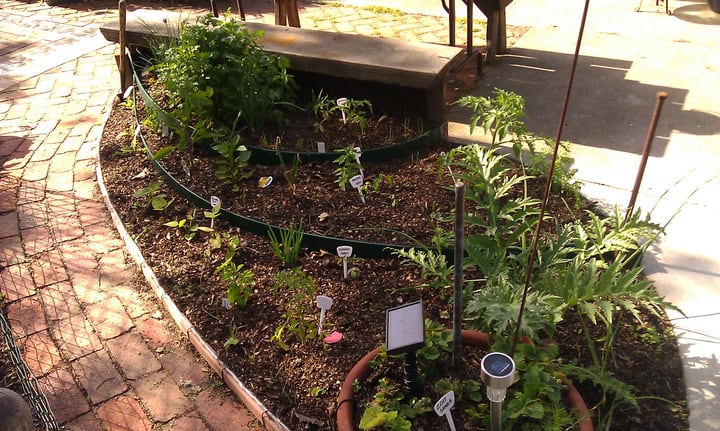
[300, 384]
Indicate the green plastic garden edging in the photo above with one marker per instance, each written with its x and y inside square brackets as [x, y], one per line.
[264, 156]
[371, 250]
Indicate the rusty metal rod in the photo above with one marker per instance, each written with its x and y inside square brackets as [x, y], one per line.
[661, 96]
[548, 182]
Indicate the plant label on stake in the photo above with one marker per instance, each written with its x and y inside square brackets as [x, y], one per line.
[358, 154]
[357, 182]
[443, 407]
[215, 202]
[321, 147]
[344, 251]
[324, 302]
[341, 102]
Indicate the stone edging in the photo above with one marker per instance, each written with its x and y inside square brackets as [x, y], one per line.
[258, 409]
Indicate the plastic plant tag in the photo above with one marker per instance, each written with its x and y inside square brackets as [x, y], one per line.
[341, 102]
[333, 338]
[443, 407]
[215, 202]
[264, 182]
[357, 182]
[225, 303]
[324, 302]
[128, 92]
[321, 147]
[165, 131]
[358, 154]
[344, 251]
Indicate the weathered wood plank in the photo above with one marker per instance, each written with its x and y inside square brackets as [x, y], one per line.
[366, 58]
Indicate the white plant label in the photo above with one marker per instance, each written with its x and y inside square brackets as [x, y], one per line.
[324, 302]
[357, 182]
[443, 407]
[344, 251]
[358, 154]
[225, 303]
[128, 92]
[165, 131]
[341, 102]
[214, 202]
[321, 147]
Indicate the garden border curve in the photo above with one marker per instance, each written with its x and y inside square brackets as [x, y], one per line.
[256, 407]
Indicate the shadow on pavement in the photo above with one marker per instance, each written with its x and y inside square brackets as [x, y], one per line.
[606, 110]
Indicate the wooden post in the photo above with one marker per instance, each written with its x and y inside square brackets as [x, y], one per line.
[214, 8]
[123, 64]
[241, 11]
[286, 13]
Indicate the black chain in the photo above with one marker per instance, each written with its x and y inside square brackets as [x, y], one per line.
[35, 397]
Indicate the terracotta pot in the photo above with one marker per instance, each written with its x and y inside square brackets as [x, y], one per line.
[361, 370]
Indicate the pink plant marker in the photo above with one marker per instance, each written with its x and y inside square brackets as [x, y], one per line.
[333, 338]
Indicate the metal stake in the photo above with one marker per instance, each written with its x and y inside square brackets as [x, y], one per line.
[661, 96]
[459, 254]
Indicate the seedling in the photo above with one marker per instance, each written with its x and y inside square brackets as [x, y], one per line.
[188, 225]
[153, 199]
[349, 165]
[287, 246]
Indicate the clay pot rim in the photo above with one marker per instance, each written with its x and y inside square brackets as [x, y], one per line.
[361, 370]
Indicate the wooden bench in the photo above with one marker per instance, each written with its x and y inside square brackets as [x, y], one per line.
[417, 66]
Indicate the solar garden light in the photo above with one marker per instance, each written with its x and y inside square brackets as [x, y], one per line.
[405, 333]
[498, 372]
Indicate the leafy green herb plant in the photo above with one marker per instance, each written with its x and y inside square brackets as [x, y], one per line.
[298, 317]
[150, 197]
[287, 246]
[233, 163]
[217, 72]
[348, 167]
[188, 225]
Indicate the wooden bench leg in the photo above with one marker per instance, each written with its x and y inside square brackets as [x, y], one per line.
[241, 10]
[286, 13]
[502, 33]
[493, 25]
[435, 102]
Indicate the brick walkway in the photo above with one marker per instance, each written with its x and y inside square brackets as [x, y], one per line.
[104, 353]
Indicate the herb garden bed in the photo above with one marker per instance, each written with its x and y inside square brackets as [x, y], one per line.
[303, 382]
[600, 313]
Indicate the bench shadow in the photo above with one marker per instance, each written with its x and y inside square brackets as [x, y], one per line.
[606, 109]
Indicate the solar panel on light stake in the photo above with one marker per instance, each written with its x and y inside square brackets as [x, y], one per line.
[405, 333]
[498, 373]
